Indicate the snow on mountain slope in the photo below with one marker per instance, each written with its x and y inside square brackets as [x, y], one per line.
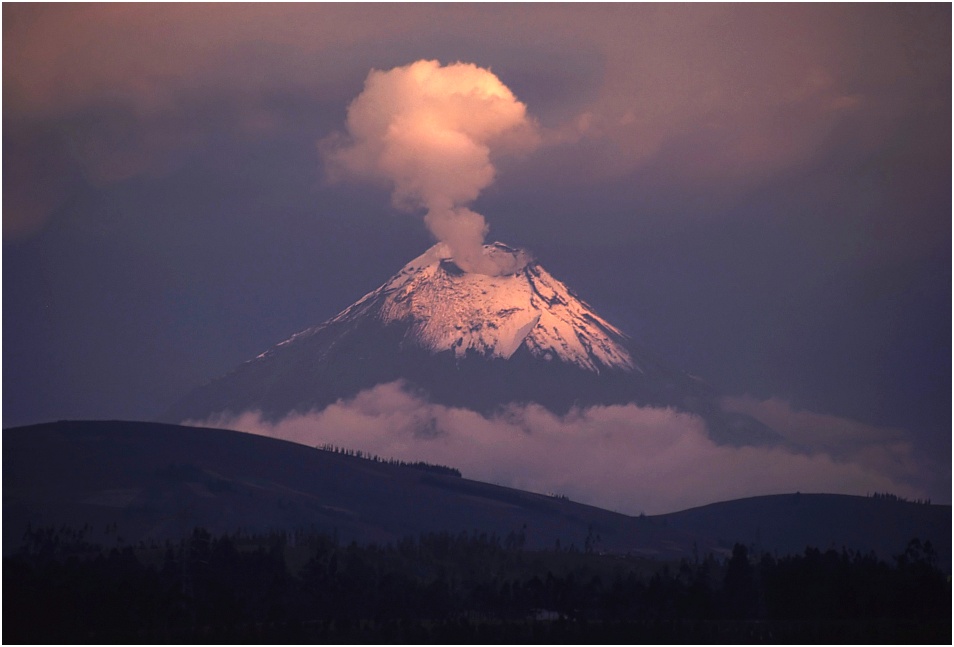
[446, 309]
[467, 340]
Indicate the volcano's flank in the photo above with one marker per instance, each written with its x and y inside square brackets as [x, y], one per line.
[464, 339]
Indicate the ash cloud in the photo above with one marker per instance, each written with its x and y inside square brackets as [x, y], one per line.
[625, 458]
[429, 131]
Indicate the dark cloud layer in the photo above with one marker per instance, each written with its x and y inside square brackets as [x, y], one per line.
[760, 193]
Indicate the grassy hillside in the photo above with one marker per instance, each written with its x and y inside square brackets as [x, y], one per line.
[132, 482]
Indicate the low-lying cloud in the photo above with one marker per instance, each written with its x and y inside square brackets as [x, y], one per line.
[884, 450]
[625, 458]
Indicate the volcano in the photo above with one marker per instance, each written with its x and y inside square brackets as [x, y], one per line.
[466, 340]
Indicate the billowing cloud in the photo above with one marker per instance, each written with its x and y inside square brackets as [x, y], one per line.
[624, 458]
[724, 89]
[719, 95]
[428, 131]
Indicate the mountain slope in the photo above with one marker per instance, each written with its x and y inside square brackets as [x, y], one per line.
[158, 481]
[466, 340]
[446, 309]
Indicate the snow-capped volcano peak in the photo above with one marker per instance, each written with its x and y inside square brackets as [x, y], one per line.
[463, 339]
[447, 309]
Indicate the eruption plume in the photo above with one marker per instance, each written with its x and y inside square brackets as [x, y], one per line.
[428, 131]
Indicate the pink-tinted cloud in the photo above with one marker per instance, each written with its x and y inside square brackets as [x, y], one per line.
[722, 97]
[428, 131]
[757, 86]
[625, 458]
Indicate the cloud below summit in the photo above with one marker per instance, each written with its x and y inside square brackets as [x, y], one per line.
[624, 458]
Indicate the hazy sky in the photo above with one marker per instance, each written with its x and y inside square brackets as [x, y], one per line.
[761, 194]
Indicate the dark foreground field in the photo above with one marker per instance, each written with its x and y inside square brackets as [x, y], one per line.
[126, 532]
[445, 588]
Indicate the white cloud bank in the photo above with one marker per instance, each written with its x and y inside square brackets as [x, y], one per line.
[623, 458]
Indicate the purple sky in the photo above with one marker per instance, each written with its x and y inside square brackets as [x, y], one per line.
[759, 193]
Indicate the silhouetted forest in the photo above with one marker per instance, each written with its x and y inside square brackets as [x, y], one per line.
[374, 458]
[446, 588]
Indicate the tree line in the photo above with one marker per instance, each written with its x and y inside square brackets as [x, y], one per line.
[888, 496]
[374, 458]
[452, 588]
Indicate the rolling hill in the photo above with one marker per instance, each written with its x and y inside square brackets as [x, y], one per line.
[136, 481]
